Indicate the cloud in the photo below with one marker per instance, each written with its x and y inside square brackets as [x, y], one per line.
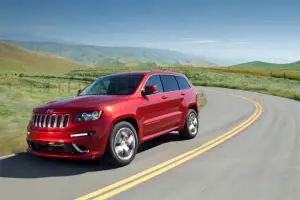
[183, 41]
[188, 38]
[193, 41]
[199, 41]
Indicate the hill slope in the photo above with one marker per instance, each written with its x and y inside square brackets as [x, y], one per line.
[292, 67]
[16, 59]
[113, 56]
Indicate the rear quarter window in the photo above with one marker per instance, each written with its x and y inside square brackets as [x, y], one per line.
[169, 83]
[182, 82]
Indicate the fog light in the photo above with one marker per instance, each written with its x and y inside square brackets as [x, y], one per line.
[79, 134]
[82, 134]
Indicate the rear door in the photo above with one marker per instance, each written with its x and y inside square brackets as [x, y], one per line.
[185, 95]
[173, 100]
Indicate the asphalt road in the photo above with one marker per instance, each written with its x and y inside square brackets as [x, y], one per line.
[260, 162]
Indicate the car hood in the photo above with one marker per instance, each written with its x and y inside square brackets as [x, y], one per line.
[80, 103]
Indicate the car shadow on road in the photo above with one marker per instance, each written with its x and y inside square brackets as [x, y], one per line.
[166, 138]
[24, 165]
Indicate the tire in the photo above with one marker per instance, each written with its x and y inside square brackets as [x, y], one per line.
[118, 143]
[186, 132]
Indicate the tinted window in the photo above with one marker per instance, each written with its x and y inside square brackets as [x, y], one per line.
[113, 85]
[169, 83]
[155, 80]
[183, 84]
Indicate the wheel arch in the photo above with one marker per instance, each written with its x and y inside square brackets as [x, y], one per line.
[193, 106]
[130, 119]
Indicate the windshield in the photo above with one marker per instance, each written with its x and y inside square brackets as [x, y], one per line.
[113, 85]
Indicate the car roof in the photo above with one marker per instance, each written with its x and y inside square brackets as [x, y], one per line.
[149, 72]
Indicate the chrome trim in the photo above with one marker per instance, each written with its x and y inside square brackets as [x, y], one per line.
[61, 121]
[40, 120]
[52, 117]
[58, 122]
[55, 121]
[158, 74]
[45, 119]
[79, 150]
[49, 123]
[36, 120]
[67, 115]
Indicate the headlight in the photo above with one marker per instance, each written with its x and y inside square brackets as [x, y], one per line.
[86, 116]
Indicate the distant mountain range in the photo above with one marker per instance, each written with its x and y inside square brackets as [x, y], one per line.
[112, 56]
[292, 67]
[126, 56]
[16, 59]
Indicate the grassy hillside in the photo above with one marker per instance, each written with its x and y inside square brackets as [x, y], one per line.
[14, 59]
[289, 67]
[113, 56]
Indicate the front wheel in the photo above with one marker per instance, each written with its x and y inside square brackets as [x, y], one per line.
[122, 144]
[190, 129]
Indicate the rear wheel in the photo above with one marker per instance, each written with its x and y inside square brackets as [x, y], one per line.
[190, 129]
[122, 144]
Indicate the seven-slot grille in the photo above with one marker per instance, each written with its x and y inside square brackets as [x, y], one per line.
[50, 120]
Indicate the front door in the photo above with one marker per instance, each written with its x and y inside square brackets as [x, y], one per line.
[153, 108]
[160, 111]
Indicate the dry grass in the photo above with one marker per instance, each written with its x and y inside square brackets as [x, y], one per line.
[276, 74]
[14, 59]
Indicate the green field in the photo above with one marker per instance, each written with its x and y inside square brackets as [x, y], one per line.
[289, 67]
[18, 96]
[29, 79]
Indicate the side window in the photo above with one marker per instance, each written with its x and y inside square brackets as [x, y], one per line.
[182, 82]
[155, 80]
[169, 83]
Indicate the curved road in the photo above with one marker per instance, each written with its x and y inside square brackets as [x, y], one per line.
[260, 162]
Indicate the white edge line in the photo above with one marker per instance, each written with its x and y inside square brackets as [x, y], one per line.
[11, 155]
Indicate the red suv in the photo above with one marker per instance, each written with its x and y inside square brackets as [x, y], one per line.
[114, 115]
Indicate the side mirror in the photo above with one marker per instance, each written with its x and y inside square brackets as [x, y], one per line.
[150, 89]
[79, 91]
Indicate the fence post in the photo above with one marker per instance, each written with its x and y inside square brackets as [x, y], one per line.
[69, 86]
[49, 86]
[9, 85]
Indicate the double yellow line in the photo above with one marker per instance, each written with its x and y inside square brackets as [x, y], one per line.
[143, 176]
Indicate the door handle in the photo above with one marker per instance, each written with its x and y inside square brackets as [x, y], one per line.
[182, 94]
[164, 97]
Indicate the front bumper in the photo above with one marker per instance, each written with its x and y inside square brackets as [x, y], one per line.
[62, 145]
[83, 156]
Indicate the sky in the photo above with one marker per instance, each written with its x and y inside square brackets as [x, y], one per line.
[229, 30]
